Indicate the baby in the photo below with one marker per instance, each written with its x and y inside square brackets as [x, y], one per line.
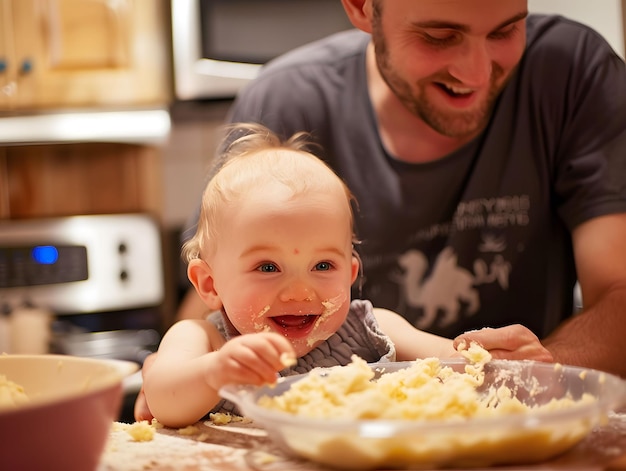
[274, 256]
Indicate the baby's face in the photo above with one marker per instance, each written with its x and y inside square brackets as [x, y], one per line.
[284, 264]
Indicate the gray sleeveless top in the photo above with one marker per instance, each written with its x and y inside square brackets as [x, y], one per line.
[359, 335]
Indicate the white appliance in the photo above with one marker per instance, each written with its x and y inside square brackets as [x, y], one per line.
[82, 285]
[81, 264]
[219, 45]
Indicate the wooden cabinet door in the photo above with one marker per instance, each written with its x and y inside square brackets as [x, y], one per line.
[88, 53]
[7, 83]
[61, 180]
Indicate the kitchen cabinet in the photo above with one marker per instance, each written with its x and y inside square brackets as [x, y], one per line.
[83, 53]
[79, 178]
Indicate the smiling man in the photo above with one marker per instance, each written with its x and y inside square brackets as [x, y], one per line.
[487, 150]
[445, 64]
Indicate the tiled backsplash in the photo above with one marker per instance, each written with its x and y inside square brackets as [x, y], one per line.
[187, 156]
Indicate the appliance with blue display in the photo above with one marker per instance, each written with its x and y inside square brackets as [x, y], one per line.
[95, 283]
[82, 264]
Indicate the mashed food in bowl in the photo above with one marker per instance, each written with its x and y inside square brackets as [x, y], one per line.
[425, 392]
[12, 395]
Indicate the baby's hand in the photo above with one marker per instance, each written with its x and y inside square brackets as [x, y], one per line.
[251, 359]
[513, 342]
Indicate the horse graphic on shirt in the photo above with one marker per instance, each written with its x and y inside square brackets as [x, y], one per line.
[442, 291]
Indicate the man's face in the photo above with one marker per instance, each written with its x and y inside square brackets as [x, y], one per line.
[448, 60]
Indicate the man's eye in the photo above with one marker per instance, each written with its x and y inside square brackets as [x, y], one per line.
[505, 33]
[323, 266]
[441, 39]
[268, 268]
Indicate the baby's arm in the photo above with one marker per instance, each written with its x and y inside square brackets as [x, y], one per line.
[410, 342]
[194, 361]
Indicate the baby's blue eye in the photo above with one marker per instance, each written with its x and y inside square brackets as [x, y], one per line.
[323, 266]
[268, 268]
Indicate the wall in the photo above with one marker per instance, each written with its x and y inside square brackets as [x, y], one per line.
[187, 155]
[606, 16]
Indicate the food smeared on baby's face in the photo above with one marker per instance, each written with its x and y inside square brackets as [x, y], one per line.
[331, 306]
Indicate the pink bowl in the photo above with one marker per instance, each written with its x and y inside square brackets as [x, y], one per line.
[72, 404]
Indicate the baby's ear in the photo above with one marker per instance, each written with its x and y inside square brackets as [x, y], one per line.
[200, 275]
[356, 265]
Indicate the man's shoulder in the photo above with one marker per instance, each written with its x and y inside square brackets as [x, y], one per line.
[557, 32]
[310, 75]
[562, 53]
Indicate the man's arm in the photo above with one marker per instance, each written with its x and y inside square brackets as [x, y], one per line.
[595, 337]
[512, 342]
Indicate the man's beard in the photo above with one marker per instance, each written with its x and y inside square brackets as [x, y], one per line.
[456, 124]
[451, 123]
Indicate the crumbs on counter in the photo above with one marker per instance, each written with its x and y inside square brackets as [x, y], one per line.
[263, 458]
[156, 424]
[142, 431]
[220, 418]
[192, 431]
[189, 430]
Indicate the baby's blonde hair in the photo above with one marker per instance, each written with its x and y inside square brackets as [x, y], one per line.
[256, 156]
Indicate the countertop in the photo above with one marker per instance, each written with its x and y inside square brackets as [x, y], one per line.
[132, 126]
[242, 446]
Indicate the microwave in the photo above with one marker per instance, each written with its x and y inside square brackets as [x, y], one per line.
[218, 46]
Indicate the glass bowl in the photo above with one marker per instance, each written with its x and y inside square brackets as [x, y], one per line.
[522, 438]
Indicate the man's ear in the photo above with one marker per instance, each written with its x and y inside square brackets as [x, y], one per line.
[201, 276]
[359, 13]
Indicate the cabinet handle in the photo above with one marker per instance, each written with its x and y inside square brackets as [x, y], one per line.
[26, 67]
[3, 66]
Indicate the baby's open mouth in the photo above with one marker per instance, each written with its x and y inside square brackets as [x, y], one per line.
[290, 322]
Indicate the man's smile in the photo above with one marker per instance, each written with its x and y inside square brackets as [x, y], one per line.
[455, 91]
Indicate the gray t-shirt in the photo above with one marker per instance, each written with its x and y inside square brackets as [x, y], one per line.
[480, 237]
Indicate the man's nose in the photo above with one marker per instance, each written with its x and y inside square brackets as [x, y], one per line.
[296, 289]
[473, 64]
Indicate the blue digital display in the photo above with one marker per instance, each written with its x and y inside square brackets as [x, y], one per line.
[45, 254]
